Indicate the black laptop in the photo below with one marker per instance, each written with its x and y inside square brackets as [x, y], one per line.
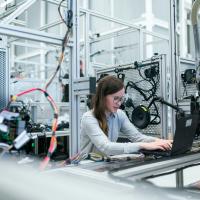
[185, 132]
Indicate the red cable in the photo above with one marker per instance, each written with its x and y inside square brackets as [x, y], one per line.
[53, 142]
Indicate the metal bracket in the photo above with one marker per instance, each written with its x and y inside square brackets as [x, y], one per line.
[85, 85]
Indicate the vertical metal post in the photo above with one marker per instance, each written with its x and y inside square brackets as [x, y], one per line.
[163, 87]
[141, 44]
[149, 26]
[113, 56]
[74, 73]
[86, 39]
[179, 179]
[173, 63]
[87, 43]
[43, 21]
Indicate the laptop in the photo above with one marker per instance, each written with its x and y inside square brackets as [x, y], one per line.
[183, 139]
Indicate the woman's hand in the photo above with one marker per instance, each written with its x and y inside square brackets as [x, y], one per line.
[157, 144]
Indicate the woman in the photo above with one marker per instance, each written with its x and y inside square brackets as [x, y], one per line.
[100, 127]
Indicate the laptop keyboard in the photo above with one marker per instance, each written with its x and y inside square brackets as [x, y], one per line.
[156, 152]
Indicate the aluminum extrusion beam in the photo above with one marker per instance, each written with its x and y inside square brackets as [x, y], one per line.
[173, 63]
[34, 46]
[119, 21]
[87, 45]
[99, 15]
[34, 63]
[8, 12]
[46, 26]
[18, 11]
[25, 33]
[157, 167]
[115, 33]
[34, 135]
[55, 2]
[74, 72]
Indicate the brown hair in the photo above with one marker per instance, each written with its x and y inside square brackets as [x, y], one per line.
[107, 85]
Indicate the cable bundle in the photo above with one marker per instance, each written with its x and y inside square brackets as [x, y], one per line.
[53, 142]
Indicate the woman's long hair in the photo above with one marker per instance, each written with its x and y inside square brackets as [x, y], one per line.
[107, 85]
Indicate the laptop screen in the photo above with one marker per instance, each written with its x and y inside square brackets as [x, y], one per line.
[185, 132]
[183, 138]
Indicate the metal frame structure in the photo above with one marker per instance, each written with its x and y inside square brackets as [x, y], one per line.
[17, 12]
[128, 27]
[74, 71]
[133, 171]
[26, 33]
[162, 59]
[75, 80]
[39, 36]
[173, 57]
[173, 63]
[159, 167]
[34, 35]
[4, 77]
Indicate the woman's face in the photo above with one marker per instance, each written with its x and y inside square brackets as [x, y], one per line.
[114, 101]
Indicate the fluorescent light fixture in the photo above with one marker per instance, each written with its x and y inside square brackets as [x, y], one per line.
[2, 5]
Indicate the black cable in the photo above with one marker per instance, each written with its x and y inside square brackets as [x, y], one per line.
[148, 80]
[151, 80]
[59, 7]
[153, 121]
[185, 89]
[152, 92]
[152, 77]
[69, 25]
[141, 91]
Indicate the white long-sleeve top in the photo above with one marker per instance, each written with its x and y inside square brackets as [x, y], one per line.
[93, 139]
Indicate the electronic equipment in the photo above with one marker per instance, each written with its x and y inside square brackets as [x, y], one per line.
[12, 129]
[189, 76]
[183, 138]
[152, 71]
[142, 81]
[41, 144]
[4, 74]
[141, 117]
[31, 137]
